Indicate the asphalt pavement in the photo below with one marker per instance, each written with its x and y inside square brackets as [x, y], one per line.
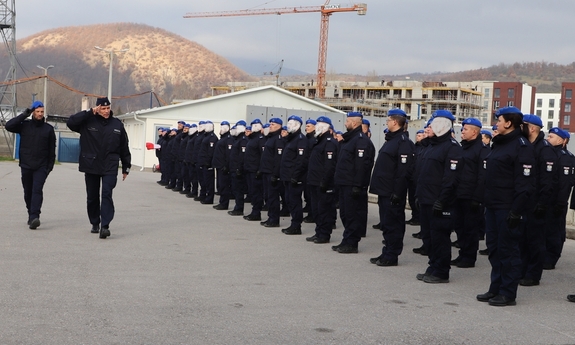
[178, 272]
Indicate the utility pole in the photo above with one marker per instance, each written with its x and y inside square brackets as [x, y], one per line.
[8, 91]
[111, 52]
[45, 86]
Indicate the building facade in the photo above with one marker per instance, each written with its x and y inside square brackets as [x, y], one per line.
[513, 94]
[547, 107]
[566, 110]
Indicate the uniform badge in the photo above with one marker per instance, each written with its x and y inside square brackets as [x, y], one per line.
[329, 155]
[229, 147]
[549, 166]
[360, 153]
[300, 152]
[527, 170]
[243, 149]
[566, 170]
[211, 144]
[484, 164]
[403, 159]
[279, 151]
[454, 165]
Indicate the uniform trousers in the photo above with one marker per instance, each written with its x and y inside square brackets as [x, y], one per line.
[185, 176]
[555, 235]
[352, 215]
[467, 227]
[178, 173]
[439, 247]
[193, 176]
[33, 183]
[100, 212]
[532, 247]
[323, 208]
[256, 192]
[238, 192]
[273, 199]
[209, 181]
[392, 218]
[294, 203]
[224, 185]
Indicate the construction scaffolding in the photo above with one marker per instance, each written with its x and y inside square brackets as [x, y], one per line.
[8, 90]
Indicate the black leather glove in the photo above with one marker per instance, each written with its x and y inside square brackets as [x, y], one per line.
[323, 187]
[293, 182]
[258, 175]
[238, 173]
[355, 192]
[474, 206]
[513, 220]
[438, 208]
[394, 199]
[416, 205]
[28, 111]
[274, 180]
[539, 211]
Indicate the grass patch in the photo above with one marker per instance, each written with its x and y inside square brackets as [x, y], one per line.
[6, 159]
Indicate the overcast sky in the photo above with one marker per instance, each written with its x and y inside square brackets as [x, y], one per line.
[395, 37]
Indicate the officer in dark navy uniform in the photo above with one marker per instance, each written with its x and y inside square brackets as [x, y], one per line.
[352, 175]
[532, 245]
[389, 182]
[414, 220]
[311, 139]
[270, 168]
[178, 162]
[103, 144]
[237, 168]
[556, 216]
[293, 171]
[321, 170]
[221, 162]
[424, 231]
[160, 142]
[510, 182]
[469, 210]
[184, 168]
[254, 176]
[196, 161]
[436, 193]
[171, 159]
[205, 157]
[189, 161]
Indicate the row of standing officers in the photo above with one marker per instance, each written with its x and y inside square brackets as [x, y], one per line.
[516, 191]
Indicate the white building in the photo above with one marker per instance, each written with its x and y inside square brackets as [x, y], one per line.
[547, 107]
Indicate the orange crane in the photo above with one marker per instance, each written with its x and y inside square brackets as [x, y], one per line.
[326, 11]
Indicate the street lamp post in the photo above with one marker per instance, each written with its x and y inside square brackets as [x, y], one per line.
[111, 52]
[45, 86]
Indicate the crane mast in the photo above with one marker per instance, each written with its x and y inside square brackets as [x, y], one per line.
[326, 11]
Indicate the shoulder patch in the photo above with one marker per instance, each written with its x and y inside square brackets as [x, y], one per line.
[522, 141]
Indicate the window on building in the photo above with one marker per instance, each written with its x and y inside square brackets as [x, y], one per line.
[495, 104]
[567, 107]
[510, 93]
[539, 102]
[496, 93]
[549, 125]
[550, 114]
[509, 103]
[551, 102]
[486, 92]
[485, 104]
[568, 94]
[566, 120]
[538, 112]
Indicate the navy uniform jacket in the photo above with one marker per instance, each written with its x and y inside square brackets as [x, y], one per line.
[272, 154]
[183, 145]
[472, 177]
[103, 143]
[254, 148]
[295, 158]
[207, 148]
[190, 146]
[322, 161]
[175, 149]
[165, 150]
[565, 173]
[545, 172]
[222, 152]
[439, 171]
[509, 177]
[238, 153]
[160, 142]
[355, 159]
[197, 147]
[37, 142]
[393, 166]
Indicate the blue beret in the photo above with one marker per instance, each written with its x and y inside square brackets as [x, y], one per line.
[224, 123]
[296, 118]
[428, 122]
[210, 122]
[494, 128]
[324, 119]
[386, 130]
[396, 111]
[266, 125]
[276, 120]
[486, 132]
[256, 121]
[234, 127]
[182, 122]
[193, 125]
[241, 123]
[202, 122]
[339, 132]
[174, 129]
[187, 125]
[471, 121]
[558, 131]
[507, 110]
[443, 113]
[37, 104]
[354, 114]
[533, 119]
[365, 122]
[248, 128]
[310, 121]
[420, 131]
[284, 128]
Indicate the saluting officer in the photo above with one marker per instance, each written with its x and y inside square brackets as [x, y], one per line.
[436, 192]
[352, 174]
[171, 159]
[183, 184]
[270, 168]
[221, 162]
[160, 142]
[252, 161]
[469, 210]
[321, 171]
[293, 172]
[177, 184]
[189, 161]
[237, 168]
[532, 245]
[389, 181]
[205, 157]
[509, 184]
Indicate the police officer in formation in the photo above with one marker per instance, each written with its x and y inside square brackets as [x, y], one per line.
[205, 156]
[518, 188]
[192, 179]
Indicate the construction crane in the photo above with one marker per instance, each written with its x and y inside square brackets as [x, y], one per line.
[326, 11]
[277, 74]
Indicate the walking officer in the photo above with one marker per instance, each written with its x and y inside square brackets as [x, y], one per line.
[103, 143]
[389, 181]
[436, 192]
[293, 171]
[37, 154]
[352, 174]
[270, 168]
[510, 182]
[321, 170]
[221, 162]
